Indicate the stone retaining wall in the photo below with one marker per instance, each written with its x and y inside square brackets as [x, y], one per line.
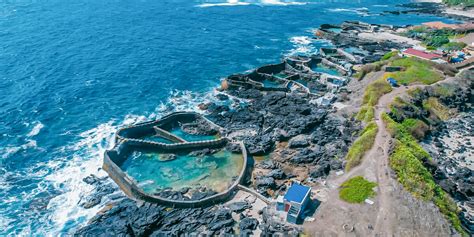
[131, 189]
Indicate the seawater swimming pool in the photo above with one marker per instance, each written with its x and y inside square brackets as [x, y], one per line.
[215, 171]
[75, 71]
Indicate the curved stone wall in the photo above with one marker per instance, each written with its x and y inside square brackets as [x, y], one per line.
[114, 158]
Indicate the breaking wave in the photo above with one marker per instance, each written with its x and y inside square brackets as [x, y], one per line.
[36, 129]
[87, 157]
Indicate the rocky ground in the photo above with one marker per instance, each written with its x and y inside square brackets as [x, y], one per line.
[450, 142]
[289, 136]
[299, 139]
[452, 148]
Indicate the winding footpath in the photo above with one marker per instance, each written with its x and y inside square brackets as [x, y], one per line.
[388, 216]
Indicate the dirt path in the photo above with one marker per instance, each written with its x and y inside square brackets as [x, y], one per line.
[394, 213]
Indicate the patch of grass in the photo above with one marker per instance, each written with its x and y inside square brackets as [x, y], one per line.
[407, 162]
[366, 114]
[436, 108]
[415, 127]
[375, 90]
[416, 71]
[361, 146]
[444, 90]
[453, 46]
[465, 3]
[356, 190]
[389, 55]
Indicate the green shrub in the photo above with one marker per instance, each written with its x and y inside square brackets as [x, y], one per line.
[356, 190]
[361, 146]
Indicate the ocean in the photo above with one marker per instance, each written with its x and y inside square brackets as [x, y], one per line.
[72, 72]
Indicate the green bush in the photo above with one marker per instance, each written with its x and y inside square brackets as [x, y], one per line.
[361, 146]
[356, 190]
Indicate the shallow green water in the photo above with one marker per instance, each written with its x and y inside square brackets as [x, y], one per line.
[192, 137]
[271, 84]
[214, 171]
[324, 69]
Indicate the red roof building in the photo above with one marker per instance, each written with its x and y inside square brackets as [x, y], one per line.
[411, 52]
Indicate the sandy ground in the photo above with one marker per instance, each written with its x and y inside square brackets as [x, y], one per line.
[386, 36]
[394, 212]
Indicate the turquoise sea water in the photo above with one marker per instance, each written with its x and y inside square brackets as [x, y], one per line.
[212, 171]
[72, 72]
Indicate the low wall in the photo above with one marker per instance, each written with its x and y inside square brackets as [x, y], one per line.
[131, 189]
[134, 132]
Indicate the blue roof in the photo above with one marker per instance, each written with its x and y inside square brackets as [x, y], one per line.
[296, 193]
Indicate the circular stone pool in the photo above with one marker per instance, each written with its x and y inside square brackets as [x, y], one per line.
[216, 171]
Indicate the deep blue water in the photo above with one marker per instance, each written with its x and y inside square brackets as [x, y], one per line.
[71, 72]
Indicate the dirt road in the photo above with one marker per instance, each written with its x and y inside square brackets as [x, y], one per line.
[394, 212]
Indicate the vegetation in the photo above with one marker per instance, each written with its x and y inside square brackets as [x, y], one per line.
[376, 66]
[466, 3]
[444, 90]
[366, 114]
[415, 127]
[389, 55]
[453, 46]
[361, 146]
[416, 70]
[435, 38]
[435, 107]
[356, 190]
[407, 161]
[375, 90]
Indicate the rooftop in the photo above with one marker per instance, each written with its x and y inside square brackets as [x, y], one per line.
[421, 54]
[297, 193]
[439, 25]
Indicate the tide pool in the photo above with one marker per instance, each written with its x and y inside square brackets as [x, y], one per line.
[214, 171]
[73, 72]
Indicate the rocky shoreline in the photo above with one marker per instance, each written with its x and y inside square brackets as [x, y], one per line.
[289, 135]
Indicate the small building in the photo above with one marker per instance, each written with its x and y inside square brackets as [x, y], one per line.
[296, 200]
[411, 52]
